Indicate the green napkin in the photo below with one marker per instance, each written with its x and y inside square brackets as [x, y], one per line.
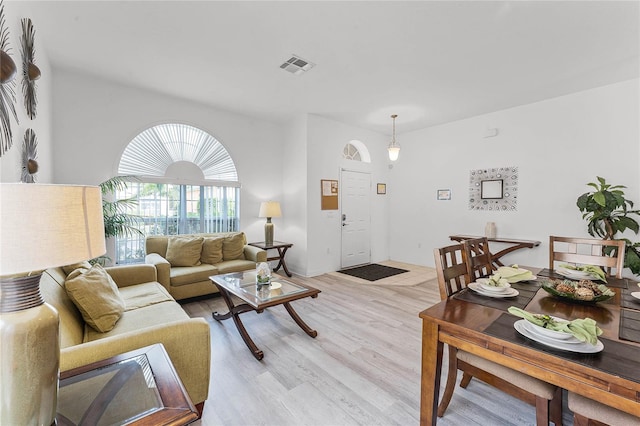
[591, 269]
[583, 329]
[513, 273]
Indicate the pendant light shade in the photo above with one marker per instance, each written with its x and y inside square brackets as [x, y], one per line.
[394, 147]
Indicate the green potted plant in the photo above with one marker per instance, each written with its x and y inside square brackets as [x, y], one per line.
[608, 213]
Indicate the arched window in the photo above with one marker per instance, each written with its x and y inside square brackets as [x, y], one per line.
[356, 151]
[186, 183]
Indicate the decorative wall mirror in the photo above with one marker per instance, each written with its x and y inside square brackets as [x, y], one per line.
[493, 189]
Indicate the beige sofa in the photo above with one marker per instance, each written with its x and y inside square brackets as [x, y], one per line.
[185, 262]
[150, 316]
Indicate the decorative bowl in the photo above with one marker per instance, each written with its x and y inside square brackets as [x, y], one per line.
[550, 287]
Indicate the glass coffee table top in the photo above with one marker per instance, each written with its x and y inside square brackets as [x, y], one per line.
[243, 285]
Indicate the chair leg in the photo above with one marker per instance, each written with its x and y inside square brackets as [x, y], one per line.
[555, 409]
[466, 378]
[452, 375]
[542, 411]
[579, 420]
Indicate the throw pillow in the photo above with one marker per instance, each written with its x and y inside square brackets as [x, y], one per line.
[184, 251]
[96, 295]
[70, 268]
[212, 250]
[233, 247]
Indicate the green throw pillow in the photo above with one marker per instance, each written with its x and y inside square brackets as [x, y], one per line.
[184, 251]
[212, 250]
[70, 268]
[96, 295]
[233, 247]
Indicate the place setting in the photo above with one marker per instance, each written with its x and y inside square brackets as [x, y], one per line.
[499, 284]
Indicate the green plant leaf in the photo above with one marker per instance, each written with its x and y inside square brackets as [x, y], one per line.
[599, 198]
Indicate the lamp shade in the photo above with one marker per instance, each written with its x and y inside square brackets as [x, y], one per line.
[43, 226]
[270, 209]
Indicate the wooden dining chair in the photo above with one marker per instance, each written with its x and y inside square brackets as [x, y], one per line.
[587, 412]
[587, 251]
[453, 275]
[478, 257]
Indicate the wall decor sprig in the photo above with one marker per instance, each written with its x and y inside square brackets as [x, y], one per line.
[7, 87]
[30, 72]
[29, 155]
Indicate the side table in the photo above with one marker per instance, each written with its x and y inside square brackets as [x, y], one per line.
[282, 250]
[514, 245]
[137, 387]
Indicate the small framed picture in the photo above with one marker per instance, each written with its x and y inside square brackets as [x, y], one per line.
[444, 194]
[382, 188]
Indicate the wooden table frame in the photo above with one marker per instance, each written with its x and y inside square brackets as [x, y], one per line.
[282, 250]
[254, 304]
[515, 245]
[461, 324]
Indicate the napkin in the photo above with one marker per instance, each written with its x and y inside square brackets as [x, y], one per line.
[583, 329]
[591, 269]
[513, 273]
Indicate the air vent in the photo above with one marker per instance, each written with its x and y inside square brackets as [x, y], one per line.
[296, 65]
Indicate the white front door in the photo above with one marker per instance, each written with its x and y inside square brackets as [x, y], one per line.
[356, 219]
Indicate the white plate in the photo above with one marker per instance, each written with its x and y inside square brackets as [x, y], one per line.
[558, 336]
[636, 294]
[585, 348]
[275, 286]
[576, 275]
[511, 292]
[495, 289]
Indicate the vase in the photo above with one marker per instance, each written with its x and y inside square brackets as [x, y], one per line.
[490, 230]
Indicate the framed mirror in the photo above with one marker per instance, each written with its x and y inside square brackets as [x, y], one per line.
[493, 189]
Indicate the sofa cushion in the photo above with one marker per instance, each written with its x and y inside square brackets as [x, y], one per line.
[141, 295]
[96, 295]
[212, 250]
[181, 276]
[138, 319]
[233, 247]
[70, 268]
[184, 251]
[235, 266]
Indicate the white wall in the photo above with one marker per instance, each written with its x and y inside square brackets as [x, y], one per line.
[559, 145]
[326, 140]
[95, 119]
[11, 161]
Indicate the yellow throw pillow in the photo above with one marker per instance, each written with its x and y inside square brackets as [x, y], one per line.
[70, 268]
[233, 247]
[96, 295]
[184, 251]
[212, 250]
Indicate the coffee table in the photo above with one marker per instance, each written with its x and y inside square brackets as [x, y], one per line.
[243, 285]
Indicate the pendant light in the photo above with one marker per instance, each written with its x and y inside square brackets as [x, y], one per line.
[394, 147]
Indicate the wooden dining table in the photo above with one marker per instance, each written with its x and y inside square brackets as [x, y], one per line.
[481, 325]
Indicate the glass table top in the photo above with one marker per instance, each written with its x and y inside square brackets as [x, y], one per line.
[243, 284]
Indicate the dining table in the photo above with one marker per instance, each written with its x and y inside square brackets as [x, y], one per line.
[481, 325]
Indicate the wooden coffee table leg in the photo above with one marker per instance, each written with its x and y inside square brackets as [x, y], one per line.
[234, 312]
[299, 321]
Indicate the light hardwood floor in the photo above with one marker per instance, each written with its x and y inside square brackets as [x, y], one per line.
[362, 369]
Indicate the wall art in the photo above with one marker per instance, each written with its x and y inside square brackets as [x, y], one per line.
[30, 72]
[29, 157]
[444, 194]
[8, 70]
[381, 188]
[493, 189]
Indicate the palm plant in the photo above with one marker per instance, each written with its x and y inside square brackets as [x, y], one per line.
[607, 213]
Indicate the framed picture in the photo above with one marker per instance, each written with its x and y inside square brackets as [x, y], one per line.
[382, 188]
[444, 194]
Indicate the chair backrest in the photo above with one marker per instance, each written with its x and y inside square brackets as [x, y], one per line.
[587, 251]
[451, 269]
[478, 257]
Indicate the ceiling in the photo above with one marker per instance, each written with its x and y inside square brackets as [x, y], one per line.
[430, 62]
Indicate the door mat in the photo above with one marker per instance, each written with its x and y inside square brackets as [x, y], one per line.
[373, 272]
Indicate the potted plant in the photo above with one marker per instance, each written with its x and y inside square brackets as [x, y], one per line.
[608, 213]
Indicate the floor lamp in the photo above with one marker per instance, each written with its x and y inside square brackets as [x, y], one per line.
[269, 209]
[41, 226]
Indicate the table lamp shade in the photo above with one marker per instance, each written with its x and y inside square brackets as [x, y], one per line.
[41, 226]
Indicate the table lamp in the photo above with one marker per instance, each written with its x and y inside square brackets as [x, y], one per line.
[41, 226]
[269, 209]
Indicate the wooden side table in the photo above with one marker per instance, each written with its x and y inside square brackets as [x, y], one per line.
[140, 387]
[282, 250]
[514, 245]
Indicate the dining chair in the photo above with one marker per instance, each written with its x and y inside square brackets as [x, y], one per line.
[478, 257]
[587, 251]
[587, 412]
[453, 276]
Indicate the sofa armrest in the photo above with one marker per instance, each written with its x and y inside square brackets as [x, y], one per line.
[254, 253]
[127, 275]
[187, 342]
[163, 268]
